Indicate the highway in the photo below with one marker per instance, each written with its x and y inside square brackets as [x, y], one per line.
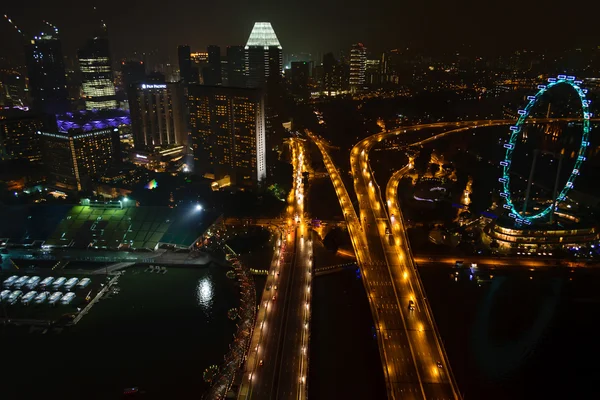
[277, 362]
[293, 356]
[415, 365]
[402, 378]
[426, 364]
[258, 379]
[389, 248]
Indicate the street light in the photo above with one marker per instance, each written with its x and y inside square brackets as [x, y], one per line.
[198, 207]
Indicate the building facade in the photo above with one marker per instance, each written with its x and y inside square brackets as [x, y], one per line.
[332, 75]
[157, 115]
[300, 77]
[264, 55]
[228, 133]
[18, 136]
[212, 71]
[96, 73]
[184, 56]
[133, 72]
[72, 158]
[358, 64]
[235, 66]
[46, 72]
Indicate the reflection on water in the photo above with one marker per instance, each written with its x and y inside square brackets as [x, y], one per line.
[509, 332]
[204, 295]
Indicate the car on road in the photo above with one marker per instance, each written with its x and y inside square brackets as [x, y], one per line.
[268, 287]
[439, 364]
[411, 305]
[261, 362]
[275, 287]
[274, 298]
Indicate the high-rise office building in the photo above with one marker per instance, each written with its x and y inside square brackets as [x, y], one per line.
[264, 56]
[184, 56]
[73, 157]
[96, 73]
[373, 72]
[228, 133]
[212, 71]
[294, 57]
[134, 72]
[300, 76]
[235, 66]
[199, 61]
[46, 72]
[358, 61]
[332, 74]
[18, 135]
[157, 115]
[12, 88]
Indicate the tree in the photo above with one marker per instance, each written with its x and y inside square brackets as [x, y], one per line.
[422, 160]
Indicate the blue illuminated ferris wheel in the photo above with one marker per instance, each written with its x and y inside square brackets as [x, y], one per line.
[516, 130]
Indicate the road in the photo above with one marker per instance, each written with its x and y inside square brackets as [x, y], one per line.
[277, 363]
[401, 377]
[293, 357]
[423, 354]
[425, 363]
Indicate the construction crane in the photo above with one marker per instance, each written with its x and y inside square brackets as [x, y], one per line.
[51, 25]
[10, 21]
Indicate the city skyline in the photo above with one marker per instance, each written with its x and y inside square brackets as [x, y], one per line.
[438, 158]
[308, 27]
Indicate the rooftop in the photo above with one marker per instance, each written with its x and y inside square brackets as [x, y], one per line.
[104, 227]
[92, 120]
[263, 35]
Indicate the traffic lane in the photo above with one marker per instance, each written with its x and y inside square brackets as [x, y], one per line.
[397, 366]
[289, 385]
[401, 354]
[265, 374]
[430, 358]
[424, 351]
[261, 344]
[425, 344]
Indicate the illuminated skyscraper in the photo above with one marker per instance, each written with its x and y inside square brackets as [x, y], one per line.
[264, 55]
[96, 73]
[228, 133]
[358, 63]
[46, 72]
[73, 157]
[18, 135]
[157, 115]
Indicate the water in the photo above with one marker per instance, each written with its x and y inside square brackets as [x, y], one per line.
[524, 335]
[159, 334]
[344, 357]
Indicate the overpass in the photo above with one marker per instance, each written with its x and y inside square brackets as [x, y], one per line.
[400, 377]
[388, 244]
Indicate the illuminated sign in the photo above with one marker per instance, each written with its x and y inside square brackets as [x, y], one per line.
[141, 156]
[153, 86]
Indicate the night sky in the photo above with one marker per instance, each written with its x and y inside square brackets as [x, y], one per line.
[310, 25]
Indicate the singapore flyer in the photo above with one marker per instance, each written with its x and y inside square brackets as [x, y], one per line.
[516, 131]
